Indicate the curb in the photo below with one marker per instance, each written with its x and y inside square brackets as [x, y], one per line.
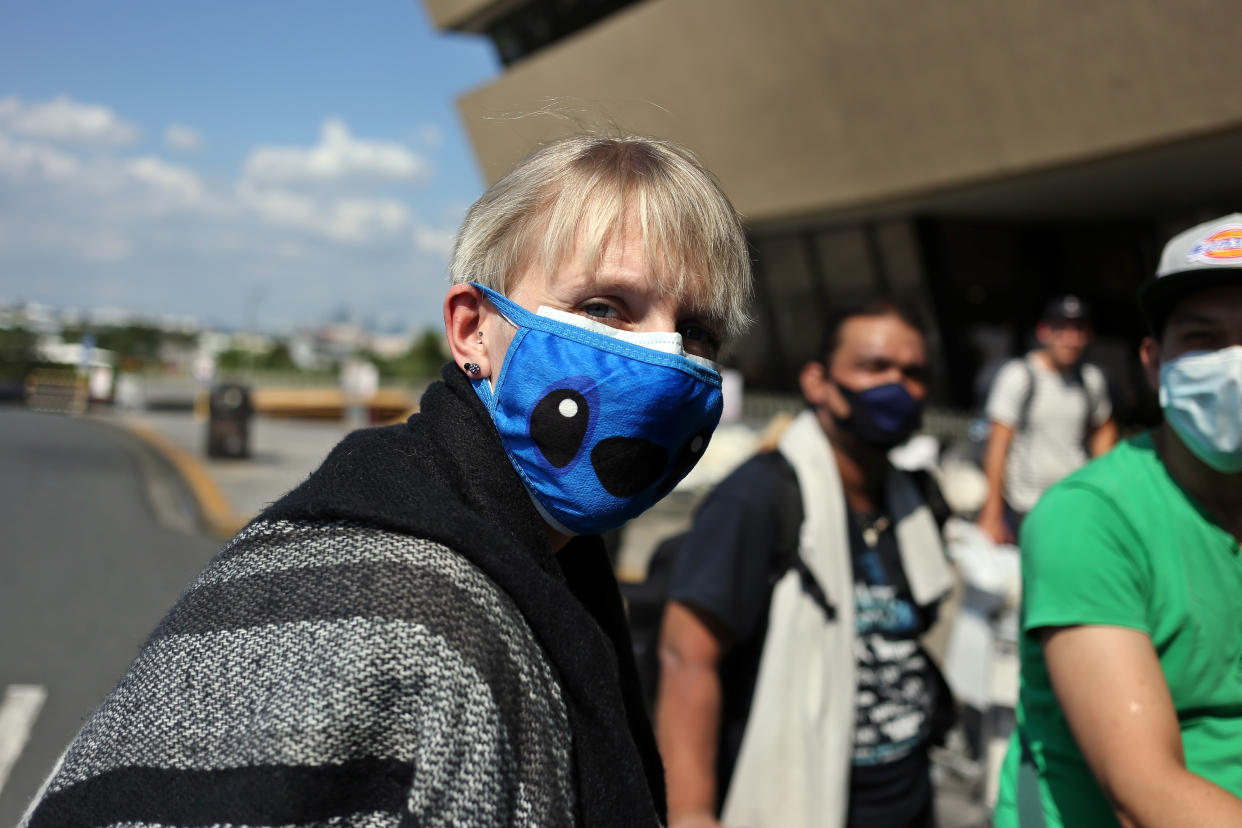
[217, 515]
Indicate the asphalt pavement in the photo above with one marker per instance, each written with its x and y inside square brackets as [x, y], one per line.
[282, 452]
[99, 539]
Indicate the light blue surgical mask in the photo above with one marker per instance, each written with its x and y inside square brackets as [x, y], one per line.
[1201, 394]
[599, 423]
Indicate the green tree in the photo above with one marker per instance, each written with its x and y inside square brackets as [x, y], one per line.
[422, 360]
[277, 359]
[17, 352]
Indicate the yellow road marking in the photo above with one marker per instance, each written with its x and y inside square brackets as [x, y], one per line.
[218, 516]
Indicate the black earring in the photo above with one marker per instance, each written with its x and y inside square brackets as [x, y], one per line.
[471, 368]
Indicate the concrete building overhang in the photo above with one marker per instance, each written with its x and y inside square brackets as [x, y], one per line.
[467, 15]
[840, 109]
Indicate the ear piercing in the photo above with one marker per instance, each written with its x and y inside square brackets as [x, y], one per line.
[472, 368]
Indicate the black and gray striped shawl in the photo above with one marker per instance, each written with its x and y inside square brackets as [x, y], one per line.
[392, 643]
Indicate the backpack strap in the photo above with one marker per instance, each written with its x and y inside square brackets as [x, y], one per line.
[1087, 392]
[1024, 409]
[932, 496]
[788, 514]
[1079, 375]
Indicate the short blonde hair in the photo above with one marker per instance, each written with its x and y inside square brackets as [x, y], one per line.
[581, 190]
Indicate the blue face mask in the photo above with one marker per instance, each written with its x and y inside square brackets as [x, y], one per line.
[1201, 394]
[884, 416]
[599, 423]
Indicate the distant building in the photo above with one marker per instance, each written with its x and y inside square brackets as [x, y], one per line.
[972, 157]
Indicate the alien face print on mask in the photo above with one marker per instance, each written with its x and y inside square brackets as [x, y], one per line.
[599, 423]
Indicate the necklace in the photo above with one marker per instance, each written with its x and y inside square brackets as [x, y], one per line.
[872, 528]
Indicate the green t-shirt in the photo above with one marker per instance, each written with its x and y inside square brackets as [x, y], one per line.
[1118, 543]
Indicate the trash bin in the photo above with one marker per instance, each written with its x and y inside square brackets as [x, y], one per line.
[228, 421]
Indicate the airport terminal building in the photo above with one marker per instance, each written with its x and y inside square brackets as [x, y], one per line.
[972, 158]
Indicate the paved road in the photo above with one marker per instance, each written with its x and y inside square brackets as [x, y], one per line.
[97, 539]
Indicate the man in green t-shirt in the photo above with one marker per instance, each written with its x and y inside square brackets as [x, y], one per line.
[1130, 710]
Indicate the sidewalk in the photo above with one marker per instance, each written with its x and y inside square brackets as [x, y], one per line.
[230, 492]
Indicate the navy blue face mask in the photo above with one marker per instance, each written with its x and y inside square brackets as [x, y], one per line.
[598, 423]
[883, 416]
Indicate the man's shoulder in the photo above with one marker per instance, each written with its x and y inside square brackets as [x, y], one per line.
[1009, 385]
[1130, 460]
[1112, 480]
[756, 478]
[1094, 378]
[1015, 368]
[1092, 372]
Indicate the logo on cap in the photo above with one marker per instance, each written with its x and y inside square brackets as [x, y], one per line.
[1223, 245]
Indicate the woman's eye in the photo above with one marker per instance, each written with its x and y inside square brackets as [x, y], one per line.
[699, 340]
[600, 310]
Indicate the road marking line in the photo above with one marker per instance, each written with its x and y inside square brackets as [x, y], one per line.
[18, 712]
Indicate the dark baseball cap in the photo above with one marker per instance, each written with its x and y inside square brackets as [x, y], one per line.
[1068, 308]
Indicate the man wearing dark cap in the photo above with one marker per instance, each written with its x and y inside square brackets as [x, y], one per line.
[1130, 701]
[1047, 409]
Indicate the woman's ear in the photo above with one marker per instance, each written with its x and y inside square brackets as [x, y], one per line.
[463, 325]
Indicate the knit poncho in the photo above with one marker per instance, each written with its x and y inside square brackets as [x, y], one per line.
[392, 643]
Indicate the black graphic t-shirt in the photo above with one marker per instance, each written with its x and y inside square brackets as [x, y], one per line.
[895, 691]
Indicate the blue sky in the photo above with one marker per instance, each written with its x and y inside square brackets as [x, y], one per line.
[269, 162]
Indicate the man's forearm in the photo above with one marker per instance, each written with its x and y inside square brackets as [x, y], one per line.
[1175, 798]
[688, 731]
[995, 454]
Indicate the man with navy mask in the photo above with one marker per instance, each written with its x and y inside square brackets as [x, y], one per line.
[1131, 686]
[794, 688]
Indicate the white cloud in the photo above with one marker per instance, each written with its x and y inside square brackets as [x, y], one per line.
[325, 223]
[65, 120]
[366, 219]
[21, 159]
[356, 221]
[338, 157]
[177, 186]
[42, 173]
[436, 241]
[183, 138]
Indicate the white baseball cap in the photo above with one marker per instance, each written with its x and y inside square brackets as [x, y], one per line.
[1206, 255]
